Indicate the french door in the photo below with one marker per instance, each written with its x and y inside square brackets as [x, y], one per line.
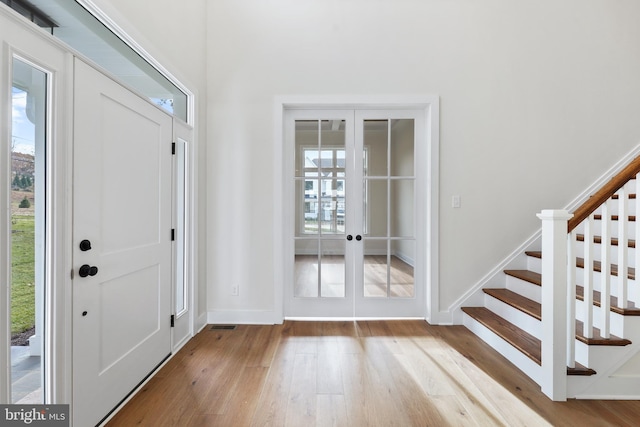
[356, 208]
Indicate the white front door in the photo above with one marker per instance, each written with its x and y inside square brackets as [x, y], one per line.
[356, 210]
[121, 243]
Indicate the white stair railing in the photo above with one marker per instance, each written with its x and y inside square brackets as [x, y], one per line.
[559, 240]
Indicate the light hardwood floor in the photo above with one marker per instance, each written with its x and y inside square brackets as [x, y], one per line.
[365, 373]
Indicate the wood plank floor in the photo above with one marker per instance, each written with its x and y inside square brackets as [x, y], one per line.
[365, 373]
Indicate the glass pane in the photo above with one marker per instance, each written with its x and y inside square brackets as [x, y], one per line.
[307, 206]
[181, 244]
[376, 147]
[332, 272]
[83, 32]
[401, 272]
[375, 268]
[28, 131]
[306, 146]
[332, 206]
[402, 145]
[306, 269]
[401, 208]
[375, 207]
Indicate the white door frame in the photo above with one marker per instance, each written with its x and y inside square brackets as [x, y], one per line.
[27, 41]
[429, 104]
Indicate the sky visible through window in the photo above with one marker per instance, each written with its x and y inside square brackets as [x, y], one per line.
[22, 130]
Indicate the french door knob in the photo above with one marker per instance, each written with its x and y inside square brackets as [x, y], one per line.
[358, 237]
[87, 270]
[349, 237]
[85, 245]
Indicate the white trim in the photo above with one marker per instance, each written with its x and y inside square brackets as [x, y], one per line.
[5, 229]
[427, 103]
[347, 319]
[244, 317]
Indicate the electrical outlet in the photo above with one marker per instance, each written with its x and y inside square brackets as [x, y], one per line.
[234, 290]
[455, 202]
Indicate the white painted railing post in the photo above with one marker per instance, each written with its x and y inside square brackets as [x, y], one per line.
[554, 303]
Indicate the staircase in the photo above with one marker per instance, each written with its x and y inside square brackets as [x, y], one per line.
[594, 314]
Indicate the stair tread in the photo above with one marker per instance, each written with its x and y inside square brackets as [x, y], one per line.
[598, 240]
[580, 370]
[529, 345]
[529, 276]
[631, 309]
[523, 341]
[597, 339]
[517, 301]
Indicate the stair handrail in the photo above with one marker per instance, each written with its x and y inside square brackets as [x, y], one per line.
[604, 193]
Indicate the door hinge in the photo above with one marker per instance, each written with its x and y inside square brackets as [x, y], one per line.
[173, 234]
[173, 148]
[173, 320]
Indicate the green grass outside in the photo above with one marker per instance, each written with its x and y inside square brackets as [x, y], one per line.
[22, 273]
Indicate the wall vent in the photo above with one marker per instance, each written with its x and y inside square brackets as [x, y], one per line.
[222, 327]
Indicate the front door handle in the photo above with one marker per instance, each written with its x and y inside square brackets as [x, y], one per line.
[87, 270]
[358, 237]
[349, 237]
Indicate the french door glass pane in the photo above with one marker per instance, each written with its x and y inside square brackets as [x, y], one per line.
[332, 206]
[375, 207]
[375, 268]
[332, 269]
[306, 147]
[376, 144]
[401, 208]
[306, 269]
[28, 131]
[401, 277]
[402, 147]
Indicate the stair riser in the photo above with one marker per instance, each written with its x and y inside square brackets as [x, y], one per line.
[524, 288]
[600, 357]
[534, 264]
[617, 326]
[522, 362]
[522, 320]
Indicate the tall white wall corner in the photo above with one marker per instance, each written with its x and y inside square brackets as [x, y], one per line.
[554, 303]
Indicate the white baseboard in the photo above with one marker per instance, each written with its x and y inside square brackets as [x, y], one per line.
[244, 317]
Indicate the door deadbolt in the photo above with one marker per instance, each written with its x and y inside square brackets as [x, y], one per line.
[85, 245]
[87, 270]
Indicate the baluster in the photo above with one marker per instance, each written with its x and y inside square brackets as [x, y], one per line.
[623, 244]
[637, 235]
[588, 276]
[605, 271]
[571, 299]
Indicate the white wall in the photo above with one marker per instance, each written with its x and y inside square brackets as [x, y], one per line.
[174, 33]
[538, 99]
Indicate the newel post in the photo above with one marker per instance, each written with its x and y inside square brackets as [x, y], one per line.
[554, 303]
